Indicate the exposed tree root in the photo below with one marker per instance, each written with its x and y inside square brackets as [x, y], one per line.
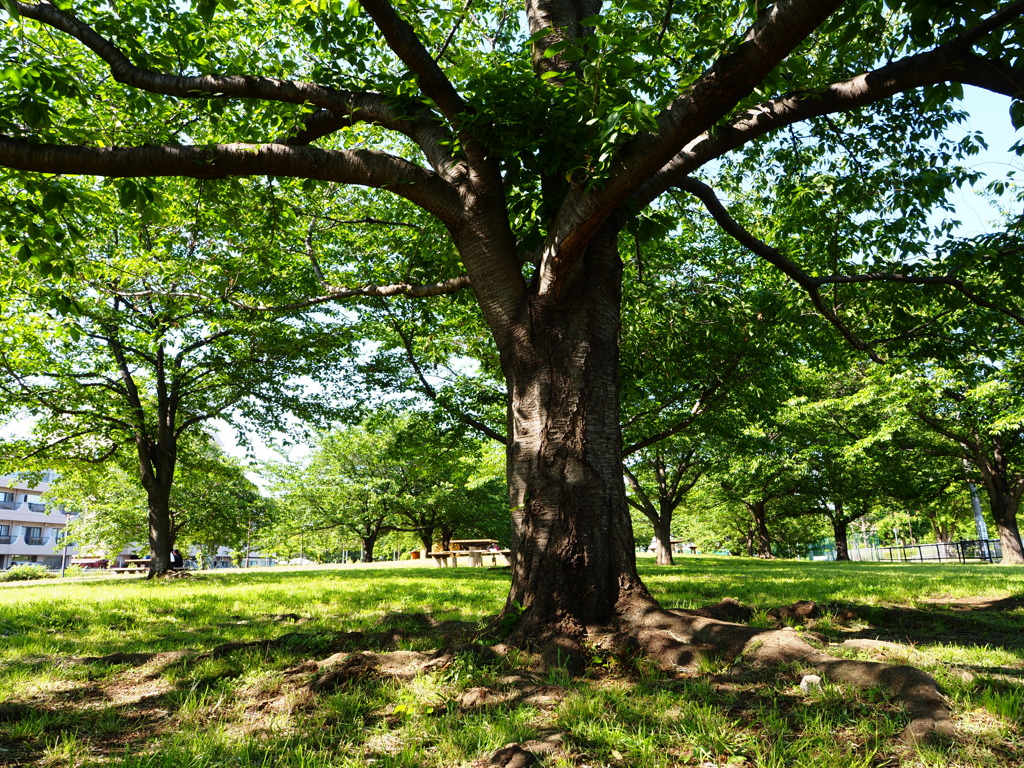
[680, 638]
[526, 754]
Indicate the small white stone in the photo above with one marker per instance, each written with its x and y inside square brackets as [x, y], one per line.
[810, 683]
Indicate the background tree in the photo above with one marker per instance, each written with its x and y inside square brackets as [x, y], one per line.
[136, 349]
[393, 472]
[969, 414]
[684, 371]
[344, 488]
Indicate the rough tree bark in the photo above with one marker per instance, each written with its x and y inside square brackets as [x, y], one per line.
[573, 558]
[762, 542]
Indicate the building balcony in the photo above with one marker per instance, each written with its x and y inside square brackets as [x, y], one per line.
[8, 539]
[9, 504]
[36, 507]
[37, 541]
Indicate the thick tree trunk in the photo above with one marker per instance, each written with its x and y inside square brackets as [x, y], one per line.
[840, 530]
[1004, 512]
[573, 557]
[663, 539]
[367, 543]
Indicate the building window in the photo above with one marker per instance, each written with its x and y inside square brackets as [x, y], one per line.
[5, 534]
[34, 535]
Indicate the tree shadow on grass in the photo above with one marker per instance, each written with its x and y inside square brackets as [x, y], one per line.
[991, 623]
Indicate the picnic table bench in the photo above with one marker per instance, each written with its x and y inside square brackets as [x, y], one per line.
[475, 549]
[133, 565]
[90, 562]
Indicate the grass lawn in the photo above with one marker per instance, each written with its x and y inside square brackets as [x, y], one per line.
[305, 668]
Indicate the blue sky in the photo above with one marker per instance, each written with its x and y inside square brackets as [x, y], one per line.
[989, 114]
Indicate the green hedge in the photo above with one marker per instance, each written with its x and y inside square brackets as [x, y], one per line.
[25, 573]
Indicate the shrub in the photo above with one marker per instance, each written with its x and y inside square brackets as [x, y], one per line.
[26, 573]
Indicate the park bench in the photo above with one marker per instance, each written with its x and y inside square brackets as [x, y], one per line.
[129, 569]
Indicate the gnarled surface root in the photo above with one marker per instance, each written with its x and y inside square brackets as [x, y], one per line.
[680, 638]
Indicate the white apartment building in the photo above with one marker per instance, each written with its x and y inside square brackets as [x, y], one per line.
[31, 534]
[28, 533]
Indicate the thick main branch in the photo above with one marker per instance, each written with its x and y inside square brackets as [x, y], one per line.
[362, 167]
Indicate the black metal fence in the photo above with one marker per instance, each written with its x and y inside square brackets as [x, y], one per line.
[966, 551]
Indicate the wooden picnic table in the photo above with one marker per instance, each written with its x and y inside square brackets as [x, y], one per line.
[457, 544]
[474, 549]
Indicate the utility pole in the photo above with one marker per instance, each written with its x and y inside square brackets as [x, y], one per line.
[979, 522]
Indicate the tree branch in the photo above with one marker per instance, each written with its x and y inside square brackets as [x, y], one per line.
[432, 394]
[362, 167]
[43, 450]
[778, 30]
[395, 289]
[339, 107]
[707, 396]
[403, 41]
[813, 284]
[951, 62]
[644, 504]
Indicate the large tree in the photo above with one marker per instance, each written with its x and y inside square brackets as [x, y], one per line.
[537, 141]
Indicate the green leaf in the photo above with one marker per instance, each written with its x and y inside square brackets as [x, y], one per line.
[1017, 114]
[206, 9]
